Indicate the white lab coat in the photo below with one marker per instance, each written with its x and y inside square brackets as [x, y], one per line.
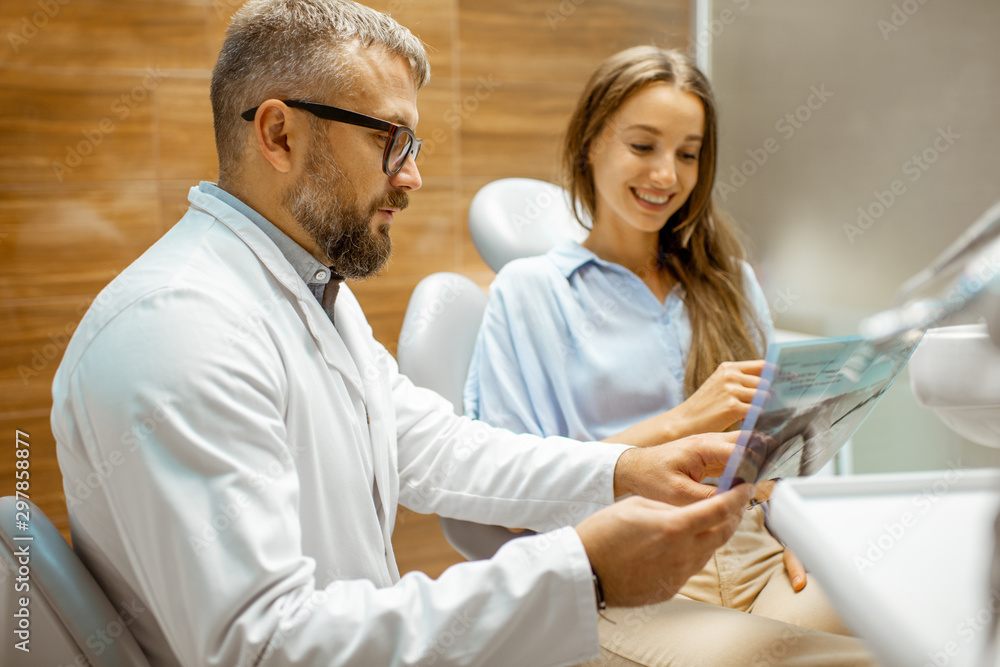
[233, 462]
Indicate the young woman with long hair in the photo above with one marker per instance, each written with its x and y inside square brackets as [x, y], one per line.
[650, 330]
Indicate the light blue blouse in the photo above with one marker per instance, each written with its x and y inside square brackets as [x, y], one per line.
[576, 346]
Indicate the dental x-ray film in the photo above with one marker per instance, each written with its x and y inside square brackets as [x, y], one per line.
[812, 397]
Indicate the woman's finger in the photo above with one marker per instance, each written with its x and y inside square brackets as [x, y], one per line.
[796, 571]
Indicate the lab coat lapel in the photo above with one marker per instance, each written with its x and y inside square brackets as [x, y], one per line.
[372, 360]
[330, 345]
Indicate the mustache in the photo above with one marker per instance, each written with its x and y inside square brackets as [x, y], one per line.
[396, 199]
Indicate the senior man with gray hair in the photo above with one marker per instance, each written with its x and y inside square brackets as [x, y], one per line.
[262, 438]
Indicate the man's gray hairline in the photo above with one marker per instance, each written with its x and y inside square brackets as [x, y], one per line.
[323, 74]
[332, 63]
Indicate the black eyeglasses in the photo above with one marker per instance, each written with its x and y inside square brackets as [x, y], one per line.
[400, 143]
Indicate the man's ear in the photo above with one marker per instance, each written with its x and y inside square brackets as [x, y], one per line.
[276, 132]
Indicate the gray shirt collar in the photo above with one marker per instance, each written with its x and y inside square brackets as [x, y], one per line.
[310, 269]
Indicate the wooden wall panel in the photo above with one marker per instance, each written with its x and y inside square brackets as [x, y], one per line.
[173, 202]
[185, 150]
[126, 82]
[552, 40]
[433, 21]
[106, 33]
[438, 160]
[72, 127]
[33, 338]
[72, 240]
[515, 130]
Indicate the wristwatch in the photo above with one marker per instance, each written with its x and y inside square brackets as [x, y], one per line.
[598, 591]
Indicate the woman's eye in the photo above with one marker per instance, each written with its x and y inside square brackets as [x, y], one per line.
[641, 148]
[689, 156]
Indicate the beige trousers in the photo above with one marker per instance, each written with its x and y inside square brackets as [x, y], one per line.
[739, 610]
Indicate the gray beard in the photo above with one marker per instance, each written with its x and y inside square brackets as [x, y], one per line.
[337, 223]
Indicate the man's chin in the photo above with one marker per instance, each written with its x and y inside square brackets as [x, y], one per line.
[363, 270]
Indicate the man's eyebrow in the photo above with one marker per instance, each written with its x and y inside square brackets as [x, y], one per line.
[396, 119]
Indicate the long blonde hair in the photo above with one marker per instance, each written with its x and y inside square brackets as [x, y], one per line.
[699, 246]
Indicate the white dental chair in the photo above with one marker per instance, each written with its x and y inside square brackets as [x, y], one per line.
[523, 217]
[438, 333]
[435, 348]
[508, 219]
[68, 619]
[520, 217]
